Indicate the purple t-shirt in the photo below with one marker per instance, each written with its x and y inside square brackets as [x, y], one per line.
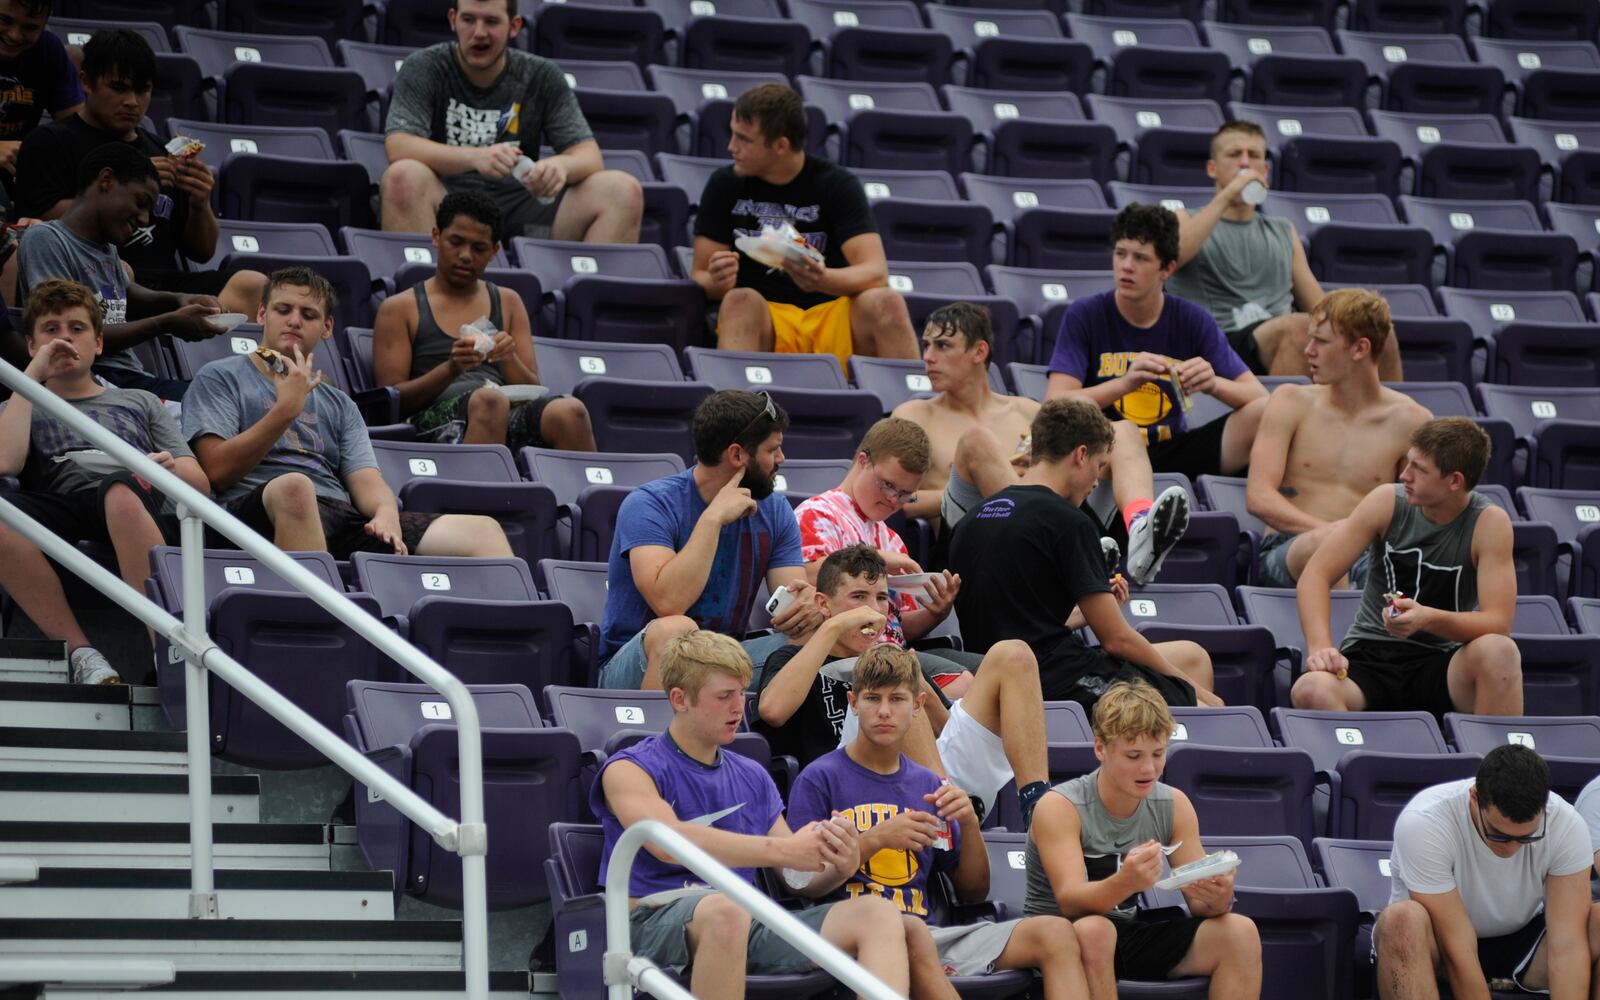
[735, 785]
[1096, 344]
[835, 782]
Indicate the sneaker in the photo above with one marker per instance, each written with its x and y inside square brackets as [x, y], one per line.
[1154, 532]
[1112, 553]
[90, 667]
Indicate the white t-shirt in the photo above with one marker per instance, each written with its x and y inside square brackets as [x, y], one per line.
[1588, 806]
[1437, 848]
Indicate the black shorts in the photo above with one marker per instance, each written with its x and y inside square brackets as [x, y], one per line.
[1244, 343]
[521, 213]
[1075, 672]
[1148, 948]
[1195, 452]
[172, 279]
[343, 526]
[1400, 676]
[446, 422]
[81, 516]
[1509, 955]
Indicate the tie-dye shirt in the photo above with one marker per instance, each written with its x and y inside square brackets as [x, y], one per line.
[135, 416]
[327, 441]
[832, 521]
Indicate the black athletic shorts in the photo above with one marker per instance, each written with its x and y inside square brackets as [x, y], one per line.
[1075, 672]
[1149, 947]
[81, 516]
[1195, 452]
[343, 526]
[1400, 676]
[1244, 343]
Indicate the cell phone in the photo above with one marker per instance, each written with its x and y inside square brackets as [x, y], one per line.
[779, 602]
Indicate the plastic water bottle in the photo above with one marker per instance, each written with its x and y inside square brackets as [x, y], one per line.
[1254, 193]
[523, 172]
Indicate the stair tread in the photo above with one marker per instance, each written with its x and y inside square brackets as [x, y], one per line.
[270, 980]
[92, 739]
[87, 694]
[96, 928]
[141, 784]
[273, 879]
[162, 833]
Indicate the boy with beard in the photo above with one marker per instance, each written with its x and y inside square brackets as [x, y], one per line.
[692, 550]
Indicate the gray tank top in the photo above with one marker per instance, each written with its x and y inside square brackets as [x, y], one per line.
[432, 346]
[1429, 563]
[1105, 840]
[1242, 273]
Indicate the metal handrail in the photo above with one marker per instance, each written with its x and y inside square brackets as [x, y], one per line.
[467, 838]
[625, 970]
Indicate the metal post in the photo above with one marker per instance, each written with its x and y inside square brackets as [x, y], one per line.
[202, 887]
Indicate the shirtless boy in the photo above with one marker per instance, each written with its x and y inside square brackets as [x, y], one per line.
[1323, 447]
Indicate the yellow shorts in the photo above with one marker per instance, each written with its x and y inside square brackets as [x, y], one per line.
[823, 329]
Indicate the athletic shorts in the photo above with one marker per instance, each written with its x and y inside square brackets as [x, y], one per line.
[344, 527]
[1148, 948]
[660, 934]
[974, 757]
[1272, 567]
[959, 497]
[1244, 343]
[1195, 452]
[972, 949]
[1508, 956]
[1400, 676]
[521, 213]
[822, 329]
[80, 516]
[445, 422]
[1075, 672]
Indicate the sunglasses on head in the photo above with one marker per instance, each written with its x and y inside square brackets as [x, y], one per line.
[770, 411]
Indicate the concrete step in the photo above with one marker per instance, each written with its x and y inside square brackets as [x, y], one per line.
[286, 846]
[26, 748]
[400, 946]
[41, 661]
[37, 705]
[272, 985]
[123, 798]
[163, 894]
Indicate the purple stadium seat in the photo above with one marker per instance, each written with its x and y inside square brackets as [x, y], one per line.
[1042, 65]
[416, 23]
[1006, 197]
[365, 148]
[1166, 72]
[581, 586]
[1186, 9]
[1385, 51]
[597, 715]
[1107, 36]
[350, 277]
[927, 185]
[1244, 792]
[915, 229]
[1569, 744]
[635, 415]
[1556, 427]
[1061, 239]
[892, 380]
[1022, 148]
[216, 51]
[988, 108]
[1434, 348]
[824, 17]
[1318, 13]
[1363, 254]
[1575, 20]
[897, 139]
[630, 119]
[1560, 94]
[386, 253]
[1517, 58]
[1175, 156]
[1480, 171]
[678, 14]
[1340, 166]
[263, 94]
[530, 777]
[1308, 211]
[1312, 81]
[956, 277]
[1132, 116]
[1554, 140]
[1514, 260]
[176, 92]
[689, 172]
[894, 55]
[1487, 311]
[1449, 218]
[77, 31]
[1284, 122]
[1202, 611]
[1416, 134]
[1410, 301]
[230, 140]
[591, 486]
[1444, 88]
[377, 64]
[1190, 198]
[1573, 513]
[1579, 179]
[286, 189]
[241, 237]
[825, 423]
[1581, 222]
[472, 479]
[757, 370]
[745, 45]
[602, 74]
[1246, 42]
[1417, 17]
[1276, 609]
[1546, 354]
[690, 89]
[969, 26]
[583, 31]
[1231, 726]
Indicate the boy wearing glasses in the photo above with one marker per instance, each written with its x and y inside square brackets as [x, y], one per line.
[1490, 889]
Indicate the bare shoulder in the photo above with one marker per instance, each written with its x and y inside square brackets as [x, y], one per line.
[918, 411]
[1023, 406]
[401, 308]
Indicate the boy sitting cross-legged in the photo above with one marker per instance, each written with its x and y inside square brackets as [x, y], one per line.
[76, 501]
[901, 809]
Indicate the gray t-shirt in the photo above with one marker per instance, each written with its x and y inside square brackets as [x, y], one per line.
[327, 441]
[51, 250]
[1243, 273]
[1437, 848]
[134, 415]
[1588, 806]
[1106, 840]
[529, 102]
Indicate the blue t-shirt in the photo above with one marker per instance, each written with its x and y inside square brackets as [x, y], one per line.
[735, 786]
[1096, 344]
[42, 79]
[327, 441]
[834, 782]
[664, 513]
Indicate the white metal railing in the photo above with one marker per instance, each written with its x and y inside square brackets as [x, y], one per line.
[467, 838]
[625, 970]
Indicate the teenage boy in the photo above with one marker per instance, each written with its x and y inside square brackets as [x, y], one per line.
[692, 550]
[728, 806]
[1490, 889]
[80, 502]
[119, 70]
[117, 190]
[1139, 354]
[464, 111]
[837, 303]
[1031, 558]
[979, 440]
[290, 457]
[1322, 447]
[1099, 841]
[1433, 632]
[900, 810]
[451, 389]
[39, 76]
[991, 734]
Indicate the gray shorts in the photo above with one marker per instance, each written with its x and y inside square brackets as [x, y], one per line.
[659, 934]
[627, 665]
[972, 949]
[1272, 566]
[959, 497]
[521, 214]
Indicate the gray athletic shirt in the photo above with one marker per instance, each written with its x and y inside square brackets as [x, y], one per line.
[51, 250]
[1243, 272]
[135, 416]
[1105, 840]
[433, 345]
[529, 101]
[1429, 563]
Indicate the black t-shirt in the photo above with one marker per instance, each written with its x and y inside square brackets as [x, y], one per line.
[47, 171]
[813, 729]
[1025, 558]
[825, 203]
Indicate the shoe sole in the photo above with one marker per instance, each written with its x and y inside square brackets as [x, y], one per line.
[1169, 519]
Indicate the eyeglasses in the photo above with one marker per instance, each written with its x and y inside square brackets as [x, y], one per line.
[1494, 836]
[890, 492]
[770, 411]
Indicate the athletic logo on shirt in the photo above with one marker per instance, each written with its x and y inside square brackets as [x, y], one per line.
[888, 872]
[1145, 407]
[773, 214]
[1428, 584]
[468, 126]
[13, 92]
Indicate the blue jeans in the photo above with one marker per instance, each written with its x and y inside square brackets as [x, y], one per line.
[625, 669]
